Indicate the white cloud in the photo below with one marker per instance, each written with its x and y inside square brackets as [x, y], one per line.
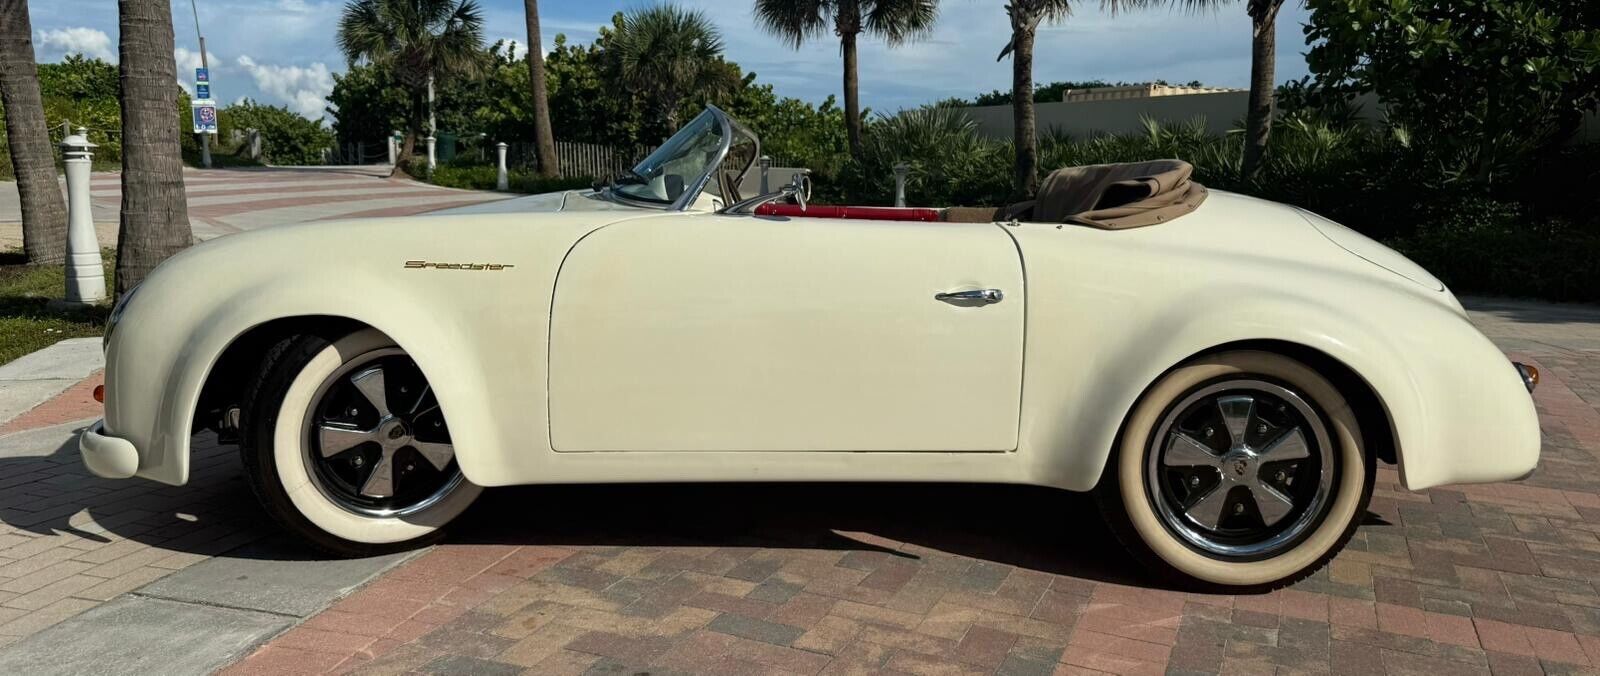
[77, 40]
[304, 89]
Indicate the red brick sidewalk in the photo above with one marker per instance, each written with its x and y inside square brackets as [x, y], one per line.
[70, 541]
[952, 579]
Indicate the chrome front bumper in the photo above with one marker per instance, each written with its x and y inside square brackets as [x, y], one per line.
[107, 456]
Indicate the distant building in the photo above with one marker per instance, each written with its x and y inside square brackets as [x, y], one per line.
[1117, 110]
[1139, 91]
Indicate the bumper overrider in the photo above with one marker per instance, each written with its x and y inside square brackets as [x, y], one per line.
[107, 456]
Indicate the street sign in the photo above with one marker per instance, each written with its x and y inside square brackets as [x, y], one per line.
[202, 90]
[201, 75]
[205, 116]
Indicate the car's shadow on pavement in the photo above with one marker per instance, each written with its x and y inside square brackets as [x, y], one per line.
[45, 491]
[1036, 528]
[1051, 531]
[50, 493]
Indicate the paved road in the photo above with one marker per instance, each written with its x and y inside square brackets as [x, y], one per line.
[805, 579]
[222, 201]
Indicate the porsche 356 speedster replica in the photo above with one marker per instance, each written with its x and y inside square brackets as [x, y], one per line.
[1224, 373]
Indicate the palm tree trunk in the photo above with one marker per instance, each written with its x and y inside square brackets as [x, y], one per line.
[852, 98]
[1026, 138]
[155, 213]
[44, 214]
[549, 166]
[1263, 64]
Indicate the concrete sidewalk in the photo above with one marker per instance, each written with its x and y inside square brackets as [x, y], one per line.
[223, 201]
[133, 577]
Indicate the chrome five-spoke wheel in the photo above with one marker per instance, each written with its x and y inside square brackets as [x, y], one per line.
[346, 445]
[1241, 468]
[379, 444]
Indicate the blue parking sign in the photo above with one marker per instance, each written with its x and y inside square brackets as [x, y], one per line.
[201, 75]
[202, 90]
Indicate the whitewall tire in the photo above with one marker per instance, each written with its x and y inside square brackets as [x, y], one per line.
[1240, 470]
[345, 446]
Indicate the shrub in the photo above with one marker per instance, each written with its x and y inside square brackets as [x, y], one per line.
[482, 177]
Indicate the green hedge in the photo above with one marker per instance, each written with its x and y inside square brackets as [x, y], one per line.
[483, 177]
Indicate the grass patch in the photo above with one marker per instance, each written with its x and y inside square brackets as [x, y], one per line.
[27, 322]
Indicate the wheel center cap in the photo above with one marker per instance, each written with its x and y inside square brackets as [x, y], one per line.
[1237, 465]
[394, 430]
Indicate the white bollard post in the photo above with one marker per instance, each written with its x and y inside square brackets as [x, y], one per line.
[503, 180]
[361, 152]
[86, 278]
[900, 171]
[255, 144]
[431, 161]
[766, 165]
[391, 150]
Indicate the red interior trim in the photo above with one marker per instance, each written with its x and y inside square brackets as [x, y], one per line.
[863, 213]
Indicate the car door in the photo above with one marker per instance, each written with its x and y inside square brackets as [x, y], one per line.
[706, 332]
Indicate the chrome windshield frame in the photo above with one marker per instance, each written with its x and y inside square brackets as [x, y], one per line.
[693, 190]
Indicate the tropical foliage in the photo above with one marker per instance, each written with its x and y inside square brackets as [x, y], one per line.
[896, 21]
[669, 53]
[585, 104]
[286, 138]
[420, 42]
[1485, 86]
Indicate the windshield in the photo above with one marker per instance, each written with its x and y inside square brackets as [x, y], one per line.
[679, 165]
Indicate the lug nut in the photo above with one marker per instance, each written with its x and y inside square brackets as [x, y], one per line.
[1280, 475]
[1194, 481]
[1261, 429]
[1209, 432]
[353, 412]
[357, 461]
[1238, 508]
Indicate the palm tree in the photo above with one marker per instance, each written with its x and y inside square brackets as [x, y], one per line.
[1261, 108]
[1263, 72]
[896, 21]
[1026, 15]
[421, 41]
[668, 54]
[44, 215]
[544, 140]
[155, 213]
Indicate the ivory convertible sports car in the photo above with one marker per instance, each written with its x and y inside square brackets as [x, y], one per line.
[1224, 373]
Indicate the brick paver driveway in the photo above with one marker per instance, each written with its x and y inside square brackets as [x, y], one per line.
[963, 579]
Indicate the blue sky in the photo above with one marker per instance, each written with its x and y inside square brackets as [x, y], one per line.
[282, 51]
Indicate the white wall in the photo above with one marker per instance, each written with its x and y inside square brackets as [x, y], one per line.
[1222, 111]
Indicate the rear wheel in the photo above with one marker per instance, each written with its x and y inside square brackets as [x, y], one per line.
[346, 446]
[1239, 470]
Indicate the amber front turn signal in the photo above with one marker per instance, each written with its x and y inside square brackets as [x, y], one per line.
[1530, 375]
[100, 393]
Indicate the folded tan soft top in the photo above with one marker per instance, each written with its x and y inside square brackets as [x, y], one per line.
[1108, 196]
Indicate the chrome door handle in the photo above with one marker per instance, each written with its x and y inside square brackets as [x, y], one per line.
[973, 297]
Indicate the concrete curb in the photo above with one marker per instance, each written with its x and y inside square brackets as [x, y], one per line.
[35, 378]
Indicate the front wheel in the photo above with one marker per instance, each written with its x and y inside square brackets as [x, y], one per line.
[1240, 471]
[346, 446]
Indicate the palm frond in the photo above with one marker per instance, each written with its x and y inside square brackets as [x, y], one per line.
[793, 21]
[901, 21]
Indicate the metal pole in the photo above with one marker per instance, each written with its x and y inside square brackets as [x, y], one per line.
[766, 165]
[503, 180]
[86, 278]
[205, 139]
[431, 162]
[900, 171]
